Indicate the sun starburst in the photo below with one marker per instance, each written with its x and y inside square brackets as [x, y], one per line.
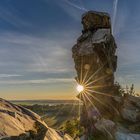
[80, 88]
[88, 87]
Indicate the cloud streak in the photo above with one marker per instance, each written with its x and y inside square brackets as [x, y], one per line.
[12, 16]
[38, 81]
[115, 5]
[34, 54]
[76, 6]
[9, 75]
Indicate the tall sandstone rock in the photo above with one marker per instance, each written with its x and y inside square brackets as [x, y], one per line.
[94, 57]
[105, 112]
[95, 49]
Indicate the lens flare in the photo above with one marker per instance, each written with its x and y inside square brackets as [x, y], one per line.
[80, 88]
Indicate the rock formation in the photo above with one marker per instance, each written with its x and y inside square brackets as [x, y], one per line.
[94, 56]
[95, 48]
[104, 110]
[19, 123]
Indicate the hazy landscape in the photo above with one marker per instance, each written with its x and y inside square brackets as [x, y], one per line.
[56, 113]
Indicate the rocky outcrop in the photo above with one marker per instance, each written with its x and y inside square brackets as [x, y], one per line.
[105, 112]
[19, 123]
[95, 50]
[95, 60]
[106, 127]
[130, 109]
[126, 136]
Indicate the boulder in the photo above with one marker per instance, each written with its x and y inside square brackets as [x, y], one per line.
[92, 20]
[130, 109]
[106, 127]
[132, 115]
[127, 136]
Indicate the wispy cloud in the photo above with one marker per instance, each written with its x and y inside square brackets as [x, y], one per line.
[12, 16]
[36, 54]
[71, 9]
[9, 75]
[38, 81]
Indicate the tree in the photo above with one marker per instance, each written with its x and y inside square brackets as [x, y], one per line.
[73, 128]
[118, 89]
[121, 91]
[130, 90]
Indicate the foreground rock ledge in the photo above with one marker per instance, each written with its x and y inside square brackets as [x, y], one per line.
[19, 123]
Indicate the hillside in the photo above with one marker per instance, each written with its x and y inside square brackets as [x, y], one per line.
[17, 122]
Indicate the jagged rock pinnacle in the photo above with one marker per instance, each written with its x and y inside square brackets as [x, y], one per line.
[95, 64]
[96, 47]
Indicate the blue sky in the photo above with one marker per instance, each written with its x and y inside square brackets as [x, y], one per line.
[36, 37]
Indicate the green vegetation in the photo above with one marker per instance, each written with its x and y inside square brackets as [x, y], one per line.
[73, 128]
[62, 117]
[119, 90]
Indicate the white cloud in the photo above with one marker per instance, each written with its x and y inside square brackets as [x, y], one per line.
[38, 81]
[9, 75]
[37, 54]
[115, 6]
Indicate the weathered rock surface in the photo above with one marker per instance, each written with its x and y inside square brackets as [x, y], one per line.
[104, 110]
[130, 109]
[95, 59]
[127, 136]
[107, 127]
[19, 123]
[95, 48]
[93, 20]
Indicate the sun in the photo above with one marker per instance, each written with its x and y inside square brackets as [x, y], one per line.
[80, 88]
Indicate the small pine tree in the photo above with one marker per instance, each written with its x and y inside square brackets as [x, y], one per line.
[118, 89]
[132, 91]
[127, 89]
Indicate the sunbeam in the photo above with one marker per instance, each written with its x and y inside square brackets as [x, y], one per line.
[96, 80]
[81, 71]
[88, 87]
[101, 102]
[91, 102]
[101, 93]
[85, 76]
[98, 70]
